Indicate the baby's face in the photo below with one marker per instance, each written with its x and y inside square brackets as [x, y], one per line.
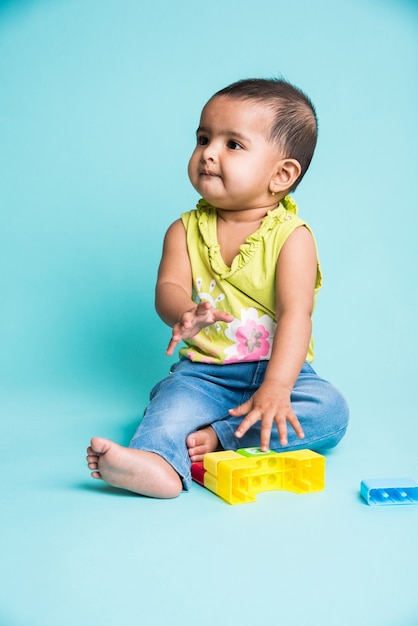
[233, 162]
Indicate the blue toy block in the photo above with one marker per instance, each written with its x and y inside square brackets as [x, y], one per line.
[389, 491]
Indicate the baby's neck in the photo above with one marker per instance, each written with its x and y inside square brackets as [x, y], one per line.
[245, 216]
[233, 232]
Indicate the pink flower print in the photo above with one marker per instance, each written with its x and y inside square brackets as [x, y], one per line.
[252, 337]
[251, 340]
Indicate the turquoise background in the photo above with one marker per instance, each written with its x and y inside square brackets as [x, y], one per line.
[99, 102]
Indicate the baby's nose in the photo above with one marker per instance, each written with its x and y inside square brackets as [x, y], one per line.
[209, 153]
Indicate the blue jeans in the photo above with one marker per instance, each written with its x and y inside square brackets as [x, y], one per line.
[195, 395]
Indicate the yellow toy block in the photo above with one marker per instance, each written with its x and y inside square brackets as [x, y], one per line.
[238, 476]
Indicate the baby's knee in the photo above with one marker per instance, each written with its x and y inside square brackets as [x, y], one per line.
[339, 408]
[334, 418]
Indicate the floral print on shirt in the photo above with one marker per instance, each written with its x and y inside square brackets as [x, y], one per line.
[252, 337]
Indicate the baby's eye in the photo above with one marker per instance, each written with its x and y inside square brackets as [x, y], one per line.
[202, 140]
[234, 145]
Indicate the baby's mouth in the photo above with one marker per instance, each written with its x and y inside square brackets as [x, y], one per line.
[207, 173]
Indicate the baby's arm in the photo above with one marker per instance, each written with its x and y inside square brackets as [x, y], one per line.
[296, 276]
[173, 291]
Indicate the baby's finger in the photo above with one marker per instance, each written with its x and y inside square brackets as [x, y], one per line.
[186, 321]
[171, 347]
[294, 422]
[282, 428]
[248, 421]
[265, 434]
[202, 308]
[242, 409]
[223, 316]
[173, 343]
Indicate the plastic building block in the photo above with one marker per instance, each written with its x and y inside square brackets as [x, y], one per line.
[238, 476]
[389, 491]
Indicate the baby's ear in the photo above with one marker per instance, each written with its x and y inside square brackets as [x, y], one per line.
[287, 172]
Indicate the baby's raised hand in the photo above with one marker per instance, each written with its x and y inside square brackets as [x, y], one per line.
[202, 315]
[271, 405]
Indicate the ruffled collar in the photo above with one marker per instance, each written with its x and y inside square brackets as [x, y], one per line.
[207, 218]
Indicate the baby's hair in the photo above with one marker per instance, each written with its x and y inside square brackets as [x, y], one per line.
[295, 126]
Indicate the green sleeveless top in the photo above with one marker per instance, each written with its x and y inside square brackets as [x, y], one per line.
[247, 289]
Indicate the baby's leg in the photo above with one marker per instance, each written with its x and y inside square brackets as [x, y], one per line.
[139, 471]
[320, 408]
[177, 419]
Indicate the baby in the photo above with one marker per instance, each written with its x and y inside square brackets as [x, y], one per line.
[237, 283]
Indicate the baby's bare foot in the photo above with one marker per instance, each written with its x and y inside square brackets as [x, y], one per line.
[139, 471]
[201, 442]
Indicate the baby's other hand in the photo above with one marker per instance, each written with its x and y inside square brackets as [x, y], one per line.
[192, 322]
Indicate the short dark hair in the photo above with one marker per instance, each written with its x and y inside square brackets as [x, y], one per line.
[295, 126]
